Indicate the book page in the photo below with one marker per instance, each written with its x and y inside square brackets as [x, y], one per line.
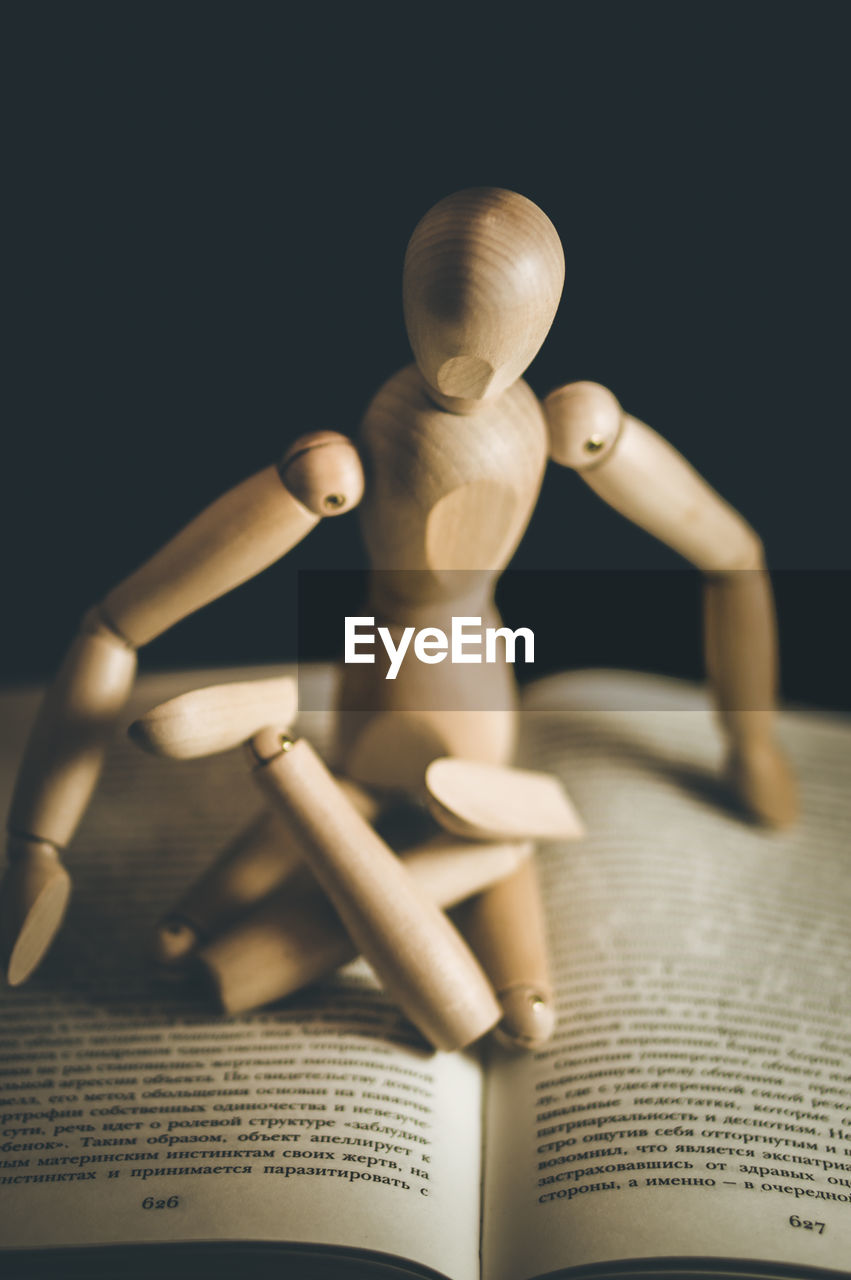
[695, 1101]
[132, 1113]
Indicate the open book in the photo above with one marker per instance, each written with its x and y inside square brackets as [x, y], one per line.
[692, 1115]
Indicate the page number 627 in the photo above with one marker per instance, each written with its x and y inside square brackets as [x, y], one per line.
[795, 1221]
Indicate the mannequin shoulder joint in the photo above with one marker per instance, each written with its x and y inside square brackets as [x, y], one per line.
[584, 421]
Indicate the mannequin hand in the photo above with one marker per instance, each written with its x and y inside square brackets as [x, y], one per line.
[764, 782]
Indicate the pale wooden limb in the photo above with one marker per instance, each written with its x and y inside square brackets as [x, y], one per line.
[740, 640]
[505, 926]
[61, 766]
[240, 534]
[203, 722]
[256, 862]
[35, 895]
[295, 936]
[75, 722]
[411, 945]
[215, 718]
[493, 802]
[645, 479]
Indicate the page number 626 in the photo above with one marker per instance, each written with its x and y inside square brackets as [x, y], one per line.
[150, 1202]
[795, 1221]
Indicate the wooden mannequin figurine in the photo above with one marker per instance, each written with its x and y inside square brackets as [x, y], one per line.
[262, 952]
[454, 448]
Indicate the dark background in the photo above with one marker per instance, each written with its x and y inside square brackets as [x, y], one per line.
[210, 205]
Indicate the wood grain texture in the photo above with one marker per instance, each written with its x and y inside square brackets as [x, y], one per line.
[252, 865]
[237, 536]
[60, 768]
[255, 863]
[487, 466]
[584, 421]
[483, 275]
[646, 480]
[295, 936]
[322, 470]
[447, 502]
[454, 449]
[506, 928]
[75, 723]
[216, 718]
[389, 731]
[740, 641]
[33, 899]
[416, 953]
[490, 802]
[649, 482]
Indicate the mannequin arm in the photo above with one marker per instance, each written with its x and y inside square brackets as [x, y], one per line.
[240, 534]
[639, 474]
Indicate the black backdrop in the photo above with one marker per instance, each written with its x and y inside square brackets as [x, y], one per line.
[210, 204]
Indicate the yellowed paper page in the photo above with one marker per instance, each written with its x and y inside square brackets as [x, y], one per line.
[133, 1114]
[696, 1098]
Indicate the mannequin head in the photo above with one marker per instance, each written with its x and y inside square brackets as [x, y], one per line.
[483, 276]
